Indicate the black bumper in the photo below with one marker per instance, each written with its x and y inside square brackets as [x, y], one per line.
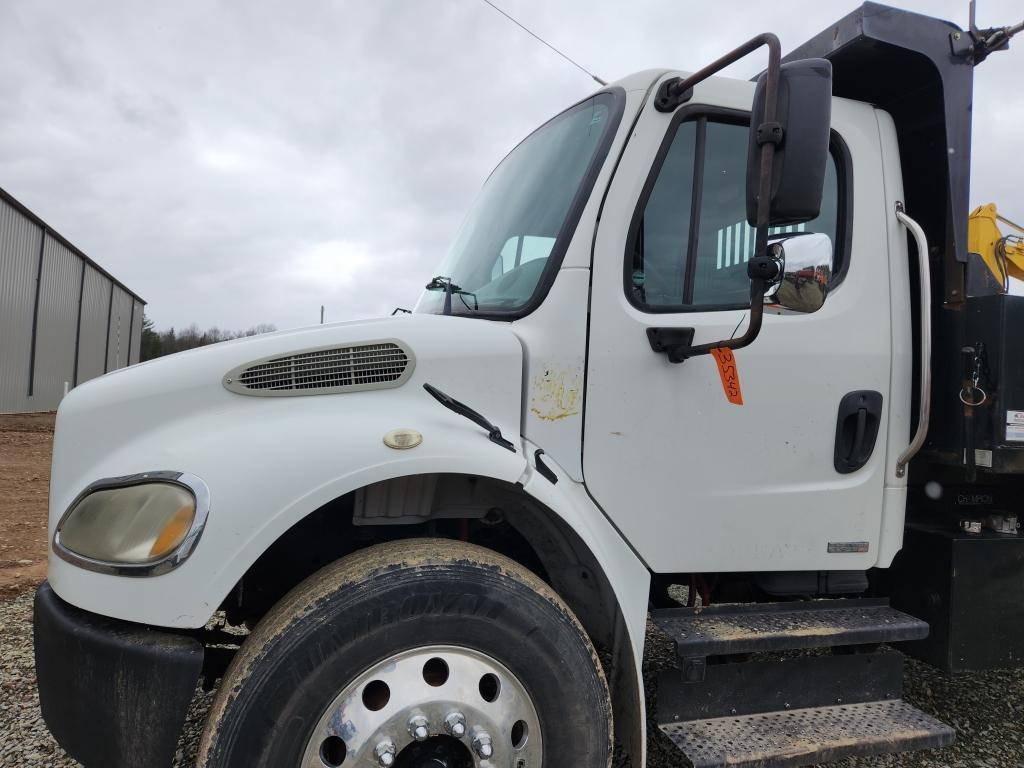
[113, 694]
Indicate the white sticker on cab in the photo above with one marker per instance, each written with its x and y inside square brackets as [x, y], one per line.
[1015, 426]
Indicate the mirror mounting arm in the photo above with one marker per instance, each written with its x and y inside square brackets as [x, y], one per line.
[758, 287]
[679, 90]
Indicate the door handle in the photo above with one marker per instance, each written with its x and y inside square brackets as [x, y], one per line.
[860, 413]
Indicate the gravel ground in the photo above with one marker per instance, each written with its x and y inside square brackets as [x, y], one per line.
[24, 740]
[987, 710]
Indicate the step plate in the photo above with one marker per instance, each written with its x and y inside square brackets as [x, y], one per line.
[807, 736]
[725, 629]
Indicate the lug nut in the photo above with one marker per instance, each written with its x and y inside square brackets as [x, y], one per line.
[482, 745]
[385, 753]
[455, 724]
[418, 728]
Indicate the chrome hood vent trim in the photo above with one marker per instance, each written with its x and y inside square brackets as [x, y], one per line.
[325, 370]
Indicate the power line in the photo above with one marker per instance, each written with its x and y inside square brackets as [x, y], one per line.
[549, 45]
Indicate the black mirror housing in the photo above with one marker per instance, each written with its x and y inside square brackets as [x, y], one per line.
[801, 135]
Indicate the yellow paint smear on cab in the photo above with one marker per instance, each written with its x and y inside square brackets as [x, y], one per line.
[556, 394]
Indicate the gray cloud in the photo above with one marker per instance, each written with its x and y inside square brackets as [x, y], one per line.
[238, 163]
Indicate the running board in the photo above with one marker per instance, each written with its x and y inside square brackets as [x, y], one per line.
[727, 629]
[798, 737]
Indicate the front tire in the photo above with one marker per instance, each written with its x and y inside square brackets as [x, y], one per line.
[406, 634]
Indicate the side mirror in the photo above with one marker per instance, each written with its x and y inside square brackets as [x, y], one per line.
[805, 271]
[786, 162]
[800, 133]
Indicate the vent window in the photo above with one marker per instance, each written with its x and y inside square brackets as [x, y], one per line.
[320, 371]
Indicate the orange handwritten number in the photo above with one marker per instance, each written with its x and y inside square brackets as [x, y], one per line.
[729, 374]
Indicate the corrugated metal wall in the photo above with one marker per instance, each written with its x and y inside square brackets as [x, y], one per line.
[136, 338]
[92, 347]
[58, 321]
[119, 343]
[19, 261]
[63, 320]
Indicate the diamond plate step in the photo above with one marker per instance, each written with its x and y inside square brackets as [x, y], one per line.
[726, 629]
[807, 736]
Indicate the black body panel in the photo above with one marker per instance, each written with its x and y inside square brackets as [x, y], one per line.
[113, 694]
[986, 324]
[770, 686]
[969, 589]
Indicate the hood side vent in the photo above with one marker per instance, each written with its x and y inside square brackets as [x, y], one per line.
[325, 370]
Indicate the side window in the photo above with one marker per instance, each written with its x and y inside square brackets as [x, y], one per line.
[691, 242]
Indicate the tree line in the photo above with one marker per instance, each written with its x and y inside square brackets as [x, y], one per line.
[156, 343]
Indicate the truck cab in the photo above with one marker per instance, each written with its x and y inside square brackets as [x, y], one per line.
[657, 376]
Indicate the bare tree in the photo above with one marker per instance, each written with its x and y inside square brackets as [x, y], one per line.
[159, 343]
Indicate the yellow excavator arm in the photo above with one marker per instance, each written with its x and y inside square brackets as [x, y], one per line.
[1003, 254]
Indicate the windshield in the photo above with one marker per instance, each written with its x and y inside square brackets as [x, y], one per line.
[519, 227]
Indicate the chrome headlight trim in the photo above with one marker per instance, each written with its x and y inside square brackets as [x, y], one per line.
[168, 562]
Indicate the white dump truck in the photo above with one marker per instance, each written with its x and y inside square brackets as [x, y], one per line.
[707, 352]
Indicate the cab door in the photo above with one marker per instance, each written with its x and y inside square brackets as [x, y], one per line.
[696, 481]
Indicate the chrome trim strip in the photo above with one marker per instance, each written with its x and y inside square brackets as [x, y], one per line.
[165, 564]
[925, 289]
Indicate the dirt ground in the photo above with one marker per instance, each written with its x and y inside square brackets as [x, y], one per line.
[25, 442]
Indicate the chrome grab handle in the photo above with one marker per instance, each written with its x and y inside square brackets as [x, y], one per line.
[924, 411]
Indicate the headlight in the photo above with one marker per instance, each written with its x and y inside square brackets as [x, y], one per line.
[143, 524]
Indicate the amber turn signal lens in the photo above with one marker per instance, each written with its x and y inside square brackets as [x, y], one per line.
[174, 532]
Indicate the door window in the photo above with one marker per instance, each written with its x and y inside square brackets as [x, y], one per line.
[691, 242]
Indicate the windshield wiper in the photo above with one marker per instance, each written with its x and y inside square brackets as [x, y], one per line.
[449, 402]
[441, 283]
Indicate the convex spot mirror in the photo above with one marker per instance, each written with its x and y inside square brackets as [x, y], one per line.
[801, 134]
[805, 271]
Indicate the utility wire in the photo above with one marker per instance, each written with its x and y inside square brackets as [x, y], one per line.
[549, 45]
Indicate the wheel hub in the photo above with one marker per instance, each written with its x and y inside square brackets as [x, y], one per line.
[436, 752]
[431, 707]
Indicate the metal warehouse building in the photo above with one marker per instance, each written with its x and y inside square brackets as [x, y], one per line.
[63, 319]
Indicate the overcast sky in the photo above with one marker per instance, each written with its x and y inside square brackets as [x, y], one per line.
[245, 162]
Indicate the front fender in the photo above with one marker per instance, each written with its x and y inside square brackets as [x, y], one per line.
[628, 577]
[260, 488]
[270, 461]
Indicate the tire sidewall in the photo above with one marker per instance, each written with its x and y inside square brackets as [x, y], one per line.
[299, 670]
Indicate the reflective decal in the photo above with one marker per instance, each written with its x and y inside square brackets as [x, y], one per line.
[848, 547]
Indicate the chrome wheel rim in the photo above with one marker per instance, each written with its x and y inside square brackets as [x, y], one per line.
[430, 707]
